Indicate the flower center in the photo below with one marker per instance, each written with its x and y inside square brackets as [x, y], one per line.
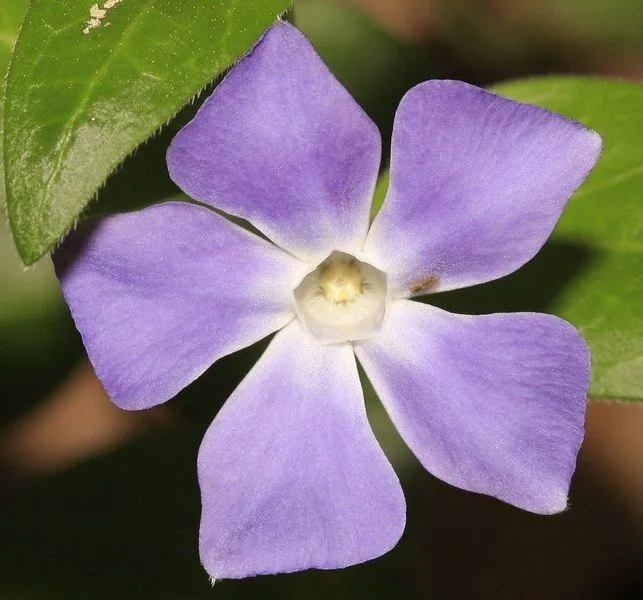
[341, 281]
[343, 299]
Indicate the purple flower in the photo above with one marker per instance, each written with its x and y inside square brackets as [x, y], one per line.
[291, 475]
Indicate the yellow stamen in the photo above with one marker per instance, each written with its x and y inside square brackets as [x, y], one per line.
[341, 281]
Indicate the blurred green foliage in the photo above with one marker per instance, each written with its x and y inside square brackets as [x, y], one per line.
[365, 58]
[617, 22]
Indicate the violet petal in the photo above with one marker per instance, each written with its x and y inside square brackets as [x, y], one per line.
[281, 143]
[291, 475]
[158, 295]
[478, 183]
[493, 404]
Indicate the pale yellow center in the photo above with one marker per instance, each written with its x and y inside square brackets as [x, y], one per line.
[341, 281]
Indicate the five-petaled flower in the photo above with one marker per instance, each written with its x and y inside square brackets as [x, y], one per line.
[291, 475]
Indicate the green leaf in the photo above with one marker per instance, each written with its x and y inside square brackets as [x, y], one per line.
[80, 99]
[599, 240]
[11, 14]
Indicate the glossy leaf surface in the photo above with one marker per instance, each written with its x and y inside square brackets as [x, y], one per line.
[81, 97]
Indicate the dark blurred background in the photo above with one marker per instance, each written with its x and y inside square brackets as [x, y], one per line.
[99, 504]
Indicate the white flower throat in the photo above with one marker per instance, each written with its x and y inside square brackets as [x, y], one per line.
[343, 299]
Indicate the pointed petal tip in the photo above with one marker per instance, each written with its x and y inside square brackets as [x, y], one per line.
[552, 503]
[595, 144]
[545, 500]
[560, 504]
